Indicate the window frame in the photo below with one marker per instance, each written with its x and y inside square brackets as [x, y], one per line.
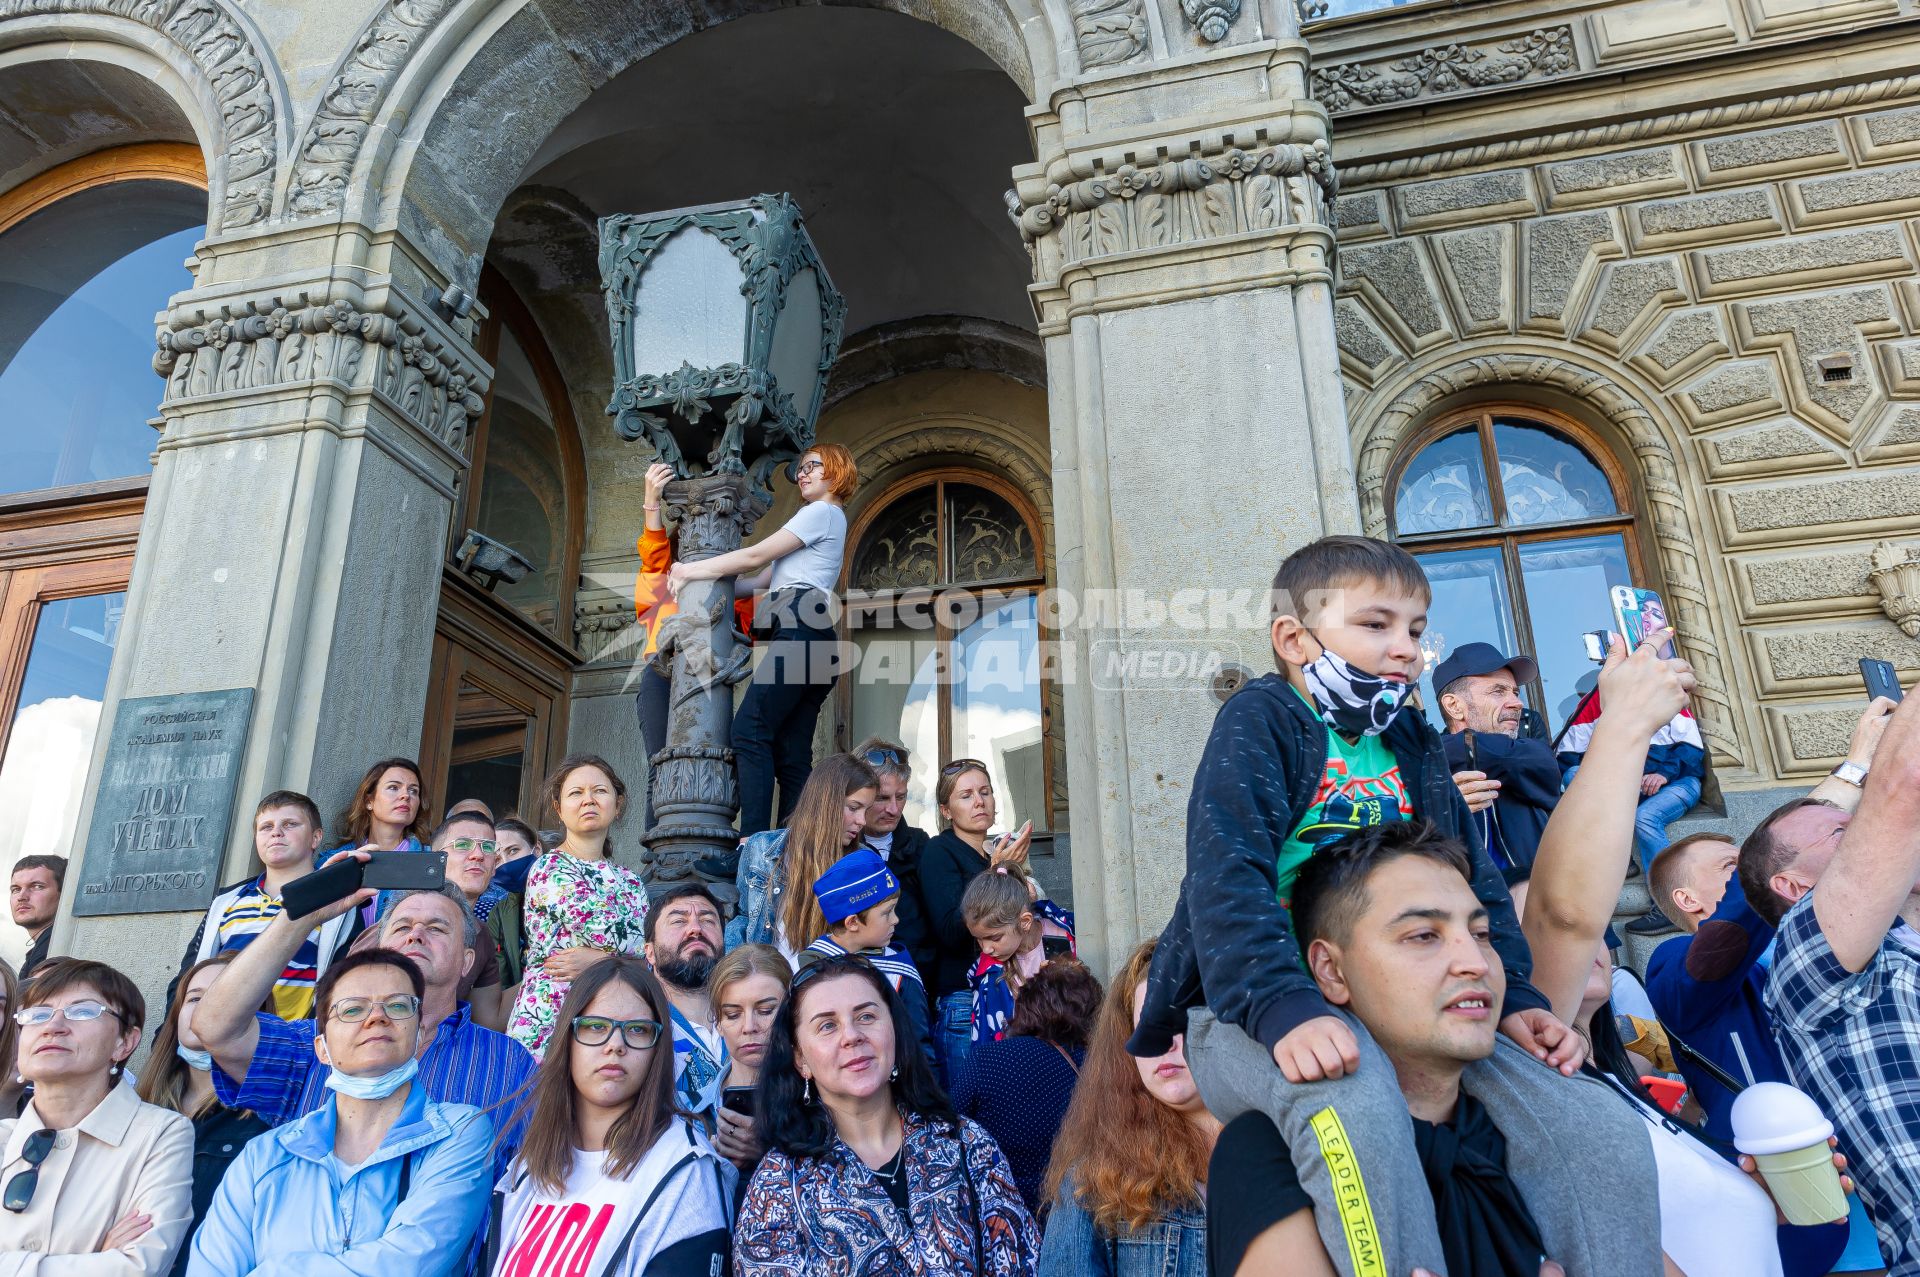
[1625, 522]
[895, 601]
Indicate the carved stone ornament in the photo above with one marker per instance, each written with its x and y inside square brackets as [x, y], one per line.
[1179, 201]
[207, 32]
[1108, 32]
[1211, 18]
[324, 161]
[275, 341]
[1446, 68]
[1896, 574]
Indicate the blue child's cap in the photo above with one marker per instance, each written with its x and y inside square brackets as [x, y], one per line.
[857, 881]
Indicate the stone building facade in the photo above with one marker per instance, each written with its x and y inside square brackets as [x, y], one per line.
[1647, 264]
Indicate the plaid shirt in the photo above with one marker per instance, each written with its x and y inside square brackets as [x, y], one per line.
[1852, 1042]
[464, 1064]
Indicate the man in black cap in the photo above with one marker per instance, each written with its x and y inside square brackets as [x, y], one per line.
[1510, 781]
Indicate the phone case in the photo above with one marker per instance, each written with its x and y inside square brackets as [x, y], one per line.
[1636, 613]
[405, 870]
[1880, 679]
[320, 888]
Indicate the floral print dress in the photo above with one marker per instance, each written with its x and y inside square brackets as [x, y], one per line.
[570, 902]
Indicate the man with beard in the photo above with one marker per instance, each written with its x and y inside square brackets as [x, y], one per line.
[1510, 782]
[683, 943]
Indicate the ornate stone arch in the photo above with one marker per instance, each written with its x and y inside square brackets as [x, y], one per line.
[1659, 473]
[209, 58]
[404, 105]
[910, 444]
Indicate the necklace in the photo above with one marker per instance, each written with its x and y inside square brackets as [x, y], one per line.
[889, 1171]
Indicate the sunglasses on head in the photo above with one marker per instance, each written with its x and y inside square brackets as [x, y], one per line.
[838, 964]
[885, 758]
[19, 1193]
[959, 765]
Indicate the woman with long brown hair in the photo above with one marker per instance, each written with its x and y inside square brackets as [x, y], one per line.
[179, 1076]
[611, 1179]
[580, 904]
[778, 867]
[1131, 1160]
[388, 813]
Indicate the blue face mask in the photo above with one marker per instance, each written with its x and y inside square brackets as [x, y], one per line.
[378, 1087]
[199, 1061]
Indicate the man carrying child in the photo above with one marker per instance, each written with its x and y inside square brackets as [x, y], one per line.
[1296, 759]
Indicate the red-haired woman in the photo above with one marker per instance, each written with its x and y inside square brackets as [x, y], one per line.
[799, 567]
[1130, 1167]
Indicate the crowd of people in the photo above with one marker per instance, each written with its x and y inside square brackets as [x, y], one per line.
[1382, 1033]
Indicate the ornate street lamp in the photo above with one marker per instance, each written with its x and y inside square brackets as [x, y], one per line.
[724, 326]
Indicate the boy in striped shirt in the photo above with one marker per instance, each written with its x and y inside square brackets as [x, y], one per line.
[861, 900]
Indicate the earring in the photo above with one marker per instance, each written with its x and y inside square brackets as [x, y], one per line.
[895, 1075]
[806, 1091]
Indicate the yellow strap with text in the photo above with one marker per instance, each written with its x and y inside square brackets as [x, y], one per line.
[1349, 1194]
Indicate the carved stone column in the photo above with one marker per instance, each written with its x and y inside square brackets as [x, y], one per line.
[1179, 221]
[293, 536]
[692, 778]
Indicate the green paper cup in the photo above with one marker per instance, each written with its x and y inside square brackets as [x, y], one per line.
[1804, 1184]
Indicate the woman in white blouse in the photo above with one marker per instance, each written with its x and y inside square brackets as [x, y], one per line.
[94, 1182]
[799, 568]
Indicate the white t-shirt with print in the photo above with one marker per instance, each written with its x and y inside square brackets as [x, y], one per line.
[575, 1233]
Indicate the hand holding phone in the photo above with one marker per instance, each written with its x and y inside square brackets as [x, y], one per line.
[1881, 680]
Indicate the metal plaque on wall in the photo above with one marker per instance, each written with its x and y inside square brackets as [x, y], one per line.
[165, 801]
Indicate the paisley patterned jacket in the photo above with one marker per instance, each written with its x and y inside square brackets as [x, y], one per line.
[829, 1217]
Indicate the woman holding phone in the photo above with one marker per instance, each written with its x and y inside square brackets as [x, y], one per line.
[745, 991]
[950, 861]
[388, 813]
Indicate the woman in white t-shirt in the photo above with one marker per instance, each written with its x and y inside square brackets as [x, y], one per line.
[610, 1180]
[799, 568]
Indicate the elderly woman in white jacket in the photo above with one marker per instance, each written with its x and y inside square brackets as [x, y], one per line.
[95, 1182]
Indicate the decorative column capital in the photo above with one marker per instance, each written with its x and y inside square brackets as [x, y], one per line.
[365, 337]
[1895, 574]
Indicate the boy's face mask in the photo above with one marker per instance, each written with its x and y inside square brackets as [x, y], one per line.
[1351, 701]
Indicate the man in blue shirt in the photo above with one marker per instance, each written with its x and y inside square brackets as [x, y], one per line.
[268, 1065]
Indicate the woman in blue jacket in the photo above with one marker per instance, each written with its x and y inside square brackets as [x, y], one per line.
[381, 1179]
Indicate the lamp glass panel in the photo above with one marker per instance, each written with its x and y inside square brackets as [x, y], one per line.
[794, 359]
[688, 307]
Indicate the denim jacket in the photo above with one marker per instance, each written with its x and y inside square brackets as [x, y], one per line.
[288, 1208]
[758, 879]
[1174, 1245]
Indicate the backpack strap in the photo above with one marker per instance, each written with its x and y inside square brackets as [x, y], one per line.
[619, 1256]
[406, 1181]
[496, 1217]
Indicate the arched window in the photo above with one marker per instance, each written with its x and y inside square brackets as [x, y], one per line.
[80, 280]
[1523, 523]
[941, 602]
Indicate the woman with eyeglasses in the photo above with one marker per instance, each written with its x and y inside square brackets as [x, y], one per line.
[778, 867]
[612, 1180]
[179, 1076]
[868, 1168]
[799, 568]
[380, 1180]
[952, 859]
[93, 1180]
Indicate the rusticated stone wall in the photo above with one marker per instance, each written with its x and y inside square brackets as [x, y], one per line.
[1747, 277]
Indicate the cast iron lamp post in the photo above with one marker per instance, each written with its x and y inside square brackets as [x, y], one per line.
[724, 326]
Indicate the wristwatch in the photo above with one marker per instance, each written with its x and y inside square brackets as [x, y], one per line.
[1851, 772]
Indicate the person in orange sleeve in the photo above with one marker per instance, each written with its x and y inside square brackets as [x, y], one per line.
[653, 603]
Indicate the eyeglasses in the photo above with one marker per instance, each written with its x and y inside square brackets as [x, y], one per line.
[76, 1013]
[461, 846]
[959, 765]
[594, 1030]
[885, 758]
[20, 1188]
[808, 467]
[354, 1010]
